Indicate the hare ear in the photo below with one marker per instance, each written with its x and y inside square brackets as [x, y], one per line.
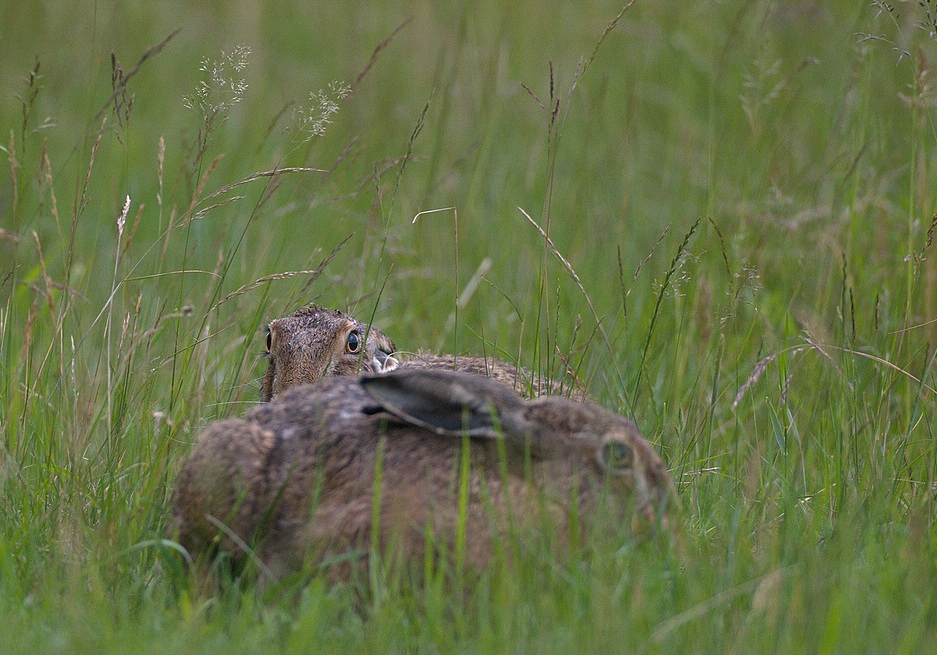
[445, 403]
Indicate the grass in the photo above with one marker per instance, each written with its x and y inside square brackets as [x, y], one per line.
[737, 203]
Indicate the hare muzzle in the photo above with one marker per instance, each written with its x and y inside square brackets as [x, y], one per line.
[384, 362]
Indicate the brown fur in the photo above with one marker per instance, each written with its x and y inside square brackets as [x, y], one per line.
[295, 478]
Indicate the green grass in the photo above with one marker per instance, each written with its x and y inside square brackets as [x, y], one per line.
[744, 190]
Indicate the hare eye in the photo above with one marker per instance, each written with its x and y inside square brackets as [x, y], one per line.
[269, 340]
[617, 455]
[353, 344]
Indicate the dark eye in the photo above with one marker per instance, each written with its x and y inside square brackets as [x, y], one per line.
[617, 456]
[269, 339]
[353, 344]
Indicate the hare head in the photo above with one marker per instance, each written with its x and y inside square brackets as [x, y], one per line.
[315, 342]
[296, 477]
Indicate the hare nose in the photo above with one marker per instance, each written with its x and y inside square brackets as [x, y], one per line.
[384, 362]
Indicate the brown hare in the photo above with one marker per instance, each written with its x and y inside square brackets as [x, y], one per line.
[315, 342]
[295, 479]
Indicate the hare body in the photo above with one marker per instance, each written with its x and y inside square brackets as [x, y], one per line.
[295, 479]
[313, 343]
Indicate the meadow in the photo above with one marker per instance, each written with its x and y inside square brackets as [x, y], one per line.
[718, 215]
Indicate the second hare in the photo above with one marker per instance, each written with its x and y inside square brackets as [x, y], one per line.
[295, 479]
[315, 342]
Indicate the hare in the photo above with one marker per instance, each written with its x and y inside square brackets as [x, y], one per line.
[295, 480]
[315, 342]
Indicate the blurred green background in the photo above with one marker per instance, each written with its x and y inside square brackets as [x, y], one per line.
[744, 189]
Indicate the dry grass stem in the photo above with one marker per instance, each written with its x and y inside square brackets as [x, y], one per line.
[377, 50]
[312, 273]
[262, 174]
[126, 77]
[572, 274]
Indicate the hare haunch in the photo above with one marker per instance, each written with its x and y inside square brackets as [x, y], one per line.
[295, 479]
[315, 342]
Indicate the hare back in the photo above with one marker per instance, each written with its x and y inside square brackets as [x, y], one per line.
[520, 379]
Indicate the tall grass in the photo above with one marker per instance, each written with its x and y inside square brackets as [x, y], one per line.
[720, 217]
